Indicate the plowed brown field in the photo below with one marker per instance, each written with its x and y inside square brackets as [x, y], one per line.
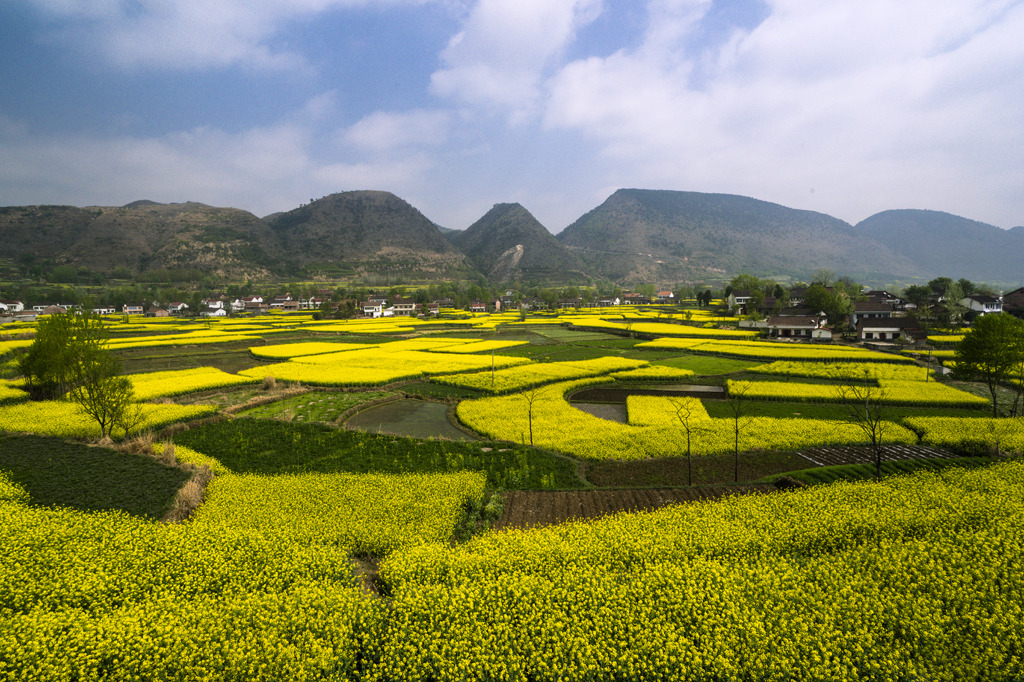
[526, 509]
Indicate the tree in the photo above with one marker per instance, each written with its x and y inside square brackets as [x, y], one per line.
[939, 285]
[992, 352]
[48, 364]
[687, 412]
[107, 397]
[953, 309]
[530, 396]
[967, 287]
[824, 276]
[836, 302]
[69, 359]
[737, 406]
[745, 282]
[918, 295]
[866, 406]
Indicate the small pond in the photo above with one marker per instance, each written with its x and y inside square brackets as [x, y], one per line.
[615, 412]
[412, 418]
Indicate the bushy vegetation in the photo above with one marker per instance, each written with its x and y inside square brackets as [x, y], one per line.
[58, 473]
[273, 447]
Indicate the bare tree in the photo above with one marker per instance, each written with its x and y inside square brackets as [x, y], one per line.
[737, 406]
[867, 405]
[530, 396]
[687, 414]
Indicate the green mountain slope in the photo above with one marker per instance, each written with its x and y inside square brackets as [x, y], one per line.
[367, 232]
[508, 244]
[226, 242]
[945, 244]
[665, 236]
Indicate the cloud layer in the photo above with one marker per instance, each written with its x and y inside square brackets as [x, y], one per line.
[844, 108]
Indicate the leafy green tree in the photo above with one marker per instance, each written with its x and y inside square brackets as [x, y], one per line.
[939, 285]
[953, 310]
[745, 282]
[918, 295]
[967, 287]
[836, 302]
[992, 353]
[48, 364]
[69, 360]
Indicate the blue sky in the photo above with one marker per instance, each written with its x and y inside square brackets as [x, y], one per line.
[844, 107]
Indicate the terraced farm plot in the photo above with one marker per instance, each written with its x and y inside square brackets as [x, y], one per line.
[836, 455]
[313, 406]
[531, 509]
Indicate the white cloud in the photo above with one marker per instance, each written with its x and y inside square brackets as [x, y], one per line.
[263, 169]
[875, 105]
[186, 34]
[500, 56]
[383, 132]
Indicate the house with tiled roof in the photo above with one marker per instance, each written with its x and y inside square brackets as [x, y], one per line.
[905, 329]
[983, 303]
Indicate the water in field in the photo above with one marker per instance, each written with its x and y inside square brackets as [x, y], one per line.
[615, 412]
[413, 418]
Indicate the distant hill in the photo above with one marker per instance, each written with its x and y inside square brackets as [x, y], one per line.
[953, 246]
[508, 244]
[226, 242]
[636, 236]
[367, 232]
[662, 236]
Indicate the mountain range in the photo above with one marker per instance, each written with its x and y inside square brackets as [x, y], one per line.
[636, 236]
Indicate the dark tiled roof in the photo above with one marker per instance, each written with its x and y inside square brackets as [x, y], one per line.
[793, 321]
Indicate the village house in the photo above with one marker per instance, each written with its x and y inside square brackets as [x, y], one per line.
[738, 301]
[1013, 302]
[251, 303]
[791, 326]
[666, 297]
[904, 329]
[983, 303]
[372, 309]
[870, 310]
[403, 306]
[883, 296]
[797, 295]
[11, 307]
[132, 309]
[177, 308]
